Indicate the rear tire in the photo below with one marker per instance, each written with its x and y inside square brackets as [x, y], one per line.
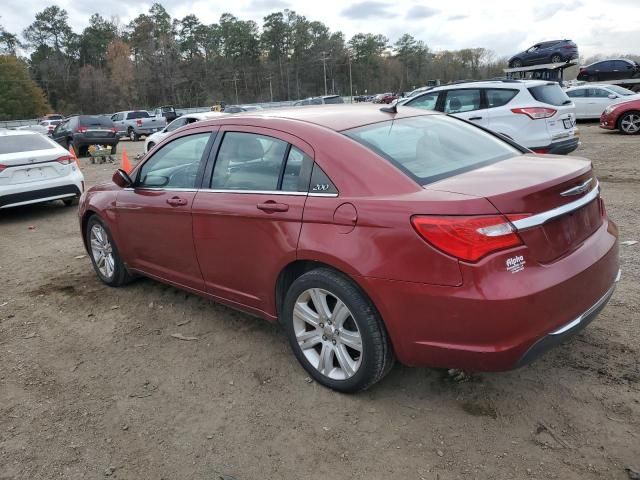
[346, 344]
[68, 202]
[629, 123]
[104, 254]
[556, 58]
[133, 136]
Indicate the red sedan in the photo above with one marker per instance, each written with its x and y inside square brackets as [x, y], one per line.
[369, 235]
[624, 116]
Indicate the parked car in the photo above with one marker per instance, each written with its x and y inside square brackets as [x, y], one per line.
[155, 138]
[385, 98]
[324, 99]
[137, 123]
[52, 116]
[168, 112]
[554, 51]
[624, 116]
[614, 69]
[45, 127]
[536, 114]
[82, 131]
[35, 169]
[367, 234]
[591, 100]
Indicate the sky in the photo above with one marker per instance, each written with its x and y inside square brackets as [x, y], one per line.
[599, 27]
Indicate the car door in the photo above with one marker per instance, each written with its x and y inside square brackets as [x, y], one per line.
[466, 103]
[59, 134]
[248, 215]
[154, 216]
[580, 99]
[598, 100]
[621, 70]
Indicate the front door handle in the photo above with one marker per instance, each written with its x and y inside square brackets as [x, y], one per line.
[176, 201]
[271, 206]
[475, 118]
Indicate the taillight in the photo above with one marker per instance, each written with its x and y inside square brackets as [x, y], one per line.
[65, 160]
[114, 129]
[535, 113]
[468, 237]
[139, 122]
[81, 129]
[2, 167]
[568, 47]
[540, 150]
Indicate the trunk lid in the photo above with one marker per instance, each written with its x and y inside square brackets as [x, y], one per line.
[535, 185]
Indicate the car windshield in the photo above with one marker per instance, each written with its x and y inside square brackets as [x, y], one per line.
[432, 147]
[23, 143]
[620, 91]
[550, 93]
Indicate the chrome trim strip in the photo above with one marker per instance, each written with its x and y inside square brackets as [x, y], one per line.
[159, 189]
[598, 304]
[255, 192]
[332, 195]
[541, 218]
[583, 187]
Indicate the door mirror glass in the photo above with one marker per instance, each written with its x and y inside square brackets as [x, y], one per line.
[612, 96]
[122, 178]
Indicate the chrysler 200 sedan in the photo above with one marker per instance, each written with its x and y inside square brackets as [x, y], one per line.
[369, 235]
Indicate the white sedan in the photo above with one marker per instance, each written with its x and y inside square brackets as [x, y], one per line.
[154, 139]
[34, 169]
[591, 100]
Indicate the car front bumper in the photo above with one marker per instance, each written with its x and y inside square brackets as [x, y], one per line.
[498, 320]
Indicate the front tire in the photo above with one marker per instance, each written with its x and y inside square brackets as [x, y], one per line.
[629, 123]
[133, 136]
[335, 331]
[517, 63]
[104, 254]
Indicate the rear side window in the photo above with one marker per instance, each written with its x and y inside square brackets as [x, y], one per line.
[297, 171]
[497, 97]
[550, 93]
[321, 183]
[138, 114]
[598, 93]
[432, 147]
[23, 143]
[579, 93]
[335, 99]
[95, 121]
[458, 101]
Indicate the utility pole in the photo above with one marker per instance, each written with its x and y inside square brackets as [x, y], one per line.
[270, 88]
[350, 80]
[324, 67]
[235, 84]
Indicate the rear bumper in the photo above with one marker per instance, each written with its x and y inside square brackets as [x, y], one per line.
[44, 190]
[494, 320]
[84, 141]
[559, 148]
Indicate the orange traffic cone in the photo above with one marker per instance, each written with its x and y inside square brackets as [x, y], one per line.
[124, 163]
[73, 154]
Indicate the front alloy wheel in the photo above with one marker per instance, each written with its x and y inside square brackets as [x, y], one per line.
[104, 254]
[630, 123]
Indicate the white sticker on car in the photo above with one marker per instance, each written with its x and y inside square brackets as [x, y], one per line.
[515, 264]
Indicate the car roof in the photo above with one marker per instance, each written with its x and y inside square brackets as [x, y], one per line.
[493, 83]
[336, 117]
[5, 132]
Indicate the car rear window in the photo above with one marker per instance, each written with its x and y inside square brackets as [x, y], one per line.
[95, 121]
[335, 99]
[23, 143]
[432, 147]
[140, 114]
[550, 93]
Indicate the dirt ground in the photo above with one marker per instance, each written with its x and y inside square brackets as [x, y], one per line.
[93, 385]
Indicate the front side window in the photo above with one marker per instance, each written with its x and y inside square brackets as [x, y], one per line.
[427, 101]
[432, 147]
[598, 93]
[458, 101]
[176, 164]
[177, 123]
[578, 93]
[497, 97]
[247, 161]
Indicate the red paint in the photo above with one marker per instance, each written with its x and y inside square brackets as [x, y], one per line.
[610, 120]
[439, 310]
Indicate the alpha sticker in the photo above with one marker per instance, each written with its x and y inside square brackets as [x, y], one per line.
[515, 264]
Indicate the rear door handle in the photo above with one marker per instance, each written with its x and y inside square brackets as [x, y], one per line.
[271, 206]
[475, 118]
[176, 201]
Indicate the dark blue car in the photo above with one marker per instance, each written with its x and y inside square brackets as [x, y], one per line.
[554, 51]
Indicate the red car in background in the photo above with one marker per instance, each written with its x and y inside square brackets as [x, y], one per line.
[370, 235]
[623, 116]
[385, 98]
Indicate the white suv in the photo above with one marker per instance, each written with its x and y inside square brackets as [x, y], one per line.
[34, 168]
[534, 113]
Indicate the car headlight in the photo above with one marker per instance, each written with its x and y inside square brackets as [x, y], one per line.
[609, 109]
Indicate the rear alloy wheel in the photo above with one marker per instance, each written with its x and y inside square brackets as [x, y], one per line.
[335, 332]
[104, 254]
[556, 58]
[132, 135]
[630, 123]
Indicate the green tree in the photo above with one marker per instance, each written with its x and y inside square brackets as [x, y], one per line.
[95, 39]
[20, 97]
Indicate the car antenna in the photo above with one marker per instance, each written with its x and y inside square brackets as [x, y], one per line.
[390, 109]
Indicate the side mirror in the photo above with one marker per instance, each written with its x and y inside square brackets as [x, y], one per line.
[612, 96]
[122, 179]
